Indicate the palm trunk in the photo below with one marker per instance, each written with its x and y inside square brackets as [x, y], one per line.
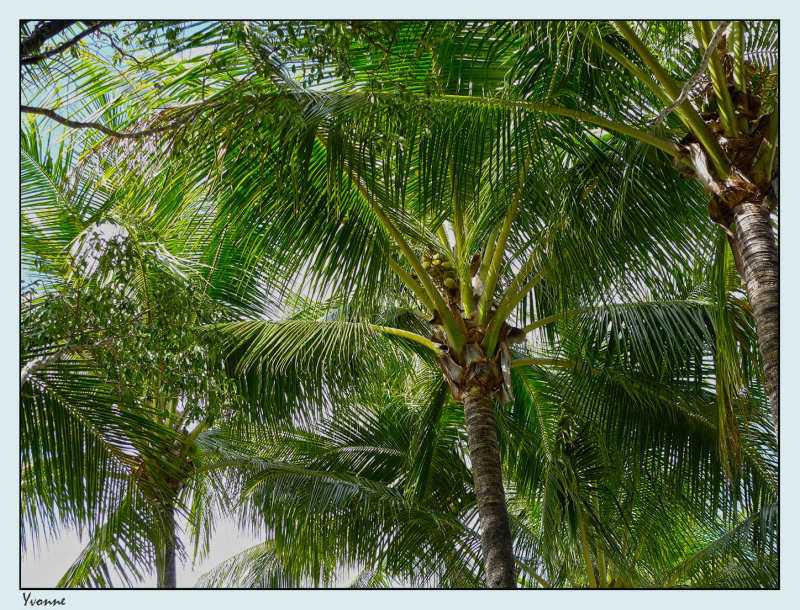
[498, 557]
[759, 256]
[166, 574]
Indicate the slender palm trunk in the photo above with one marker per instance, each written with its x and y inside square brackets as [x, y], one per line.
[167, 575]
[498, 557]
[759, 255]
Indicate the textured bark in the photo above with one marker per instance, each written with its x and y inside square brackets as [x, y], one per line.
[167, 577]
[41, 35]
[498, 557]
[93, 27]
[759, 258]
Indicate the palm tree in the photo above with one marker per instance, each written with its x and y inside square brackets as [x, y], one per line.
[713, 85]
[120, 390]
[484, 218]
[375, 487]
[616, 479]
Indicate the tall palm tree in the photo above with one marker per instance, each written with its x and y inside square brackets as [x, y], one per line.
[485, 217]
[376, 487]
[616, 478]
[703, 92]
[120, 388]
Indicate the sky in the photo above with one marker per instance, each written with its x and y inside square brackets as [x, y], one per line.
[51, 565]
[47, 567]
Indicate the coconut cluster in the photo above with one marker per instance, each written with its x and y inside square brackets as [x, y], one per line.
[440, 270]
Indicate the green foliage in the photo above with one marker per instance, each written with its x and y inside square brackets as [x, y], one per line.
[227, 285]
[120, 358]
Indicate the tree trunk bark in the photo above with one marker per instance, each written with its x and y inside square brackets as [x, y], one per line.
[42, 34]
[498, 557]
[167, 576]
[759, 255]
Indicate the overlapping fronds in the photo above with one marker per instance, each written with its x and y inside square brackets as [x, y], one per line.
[276, 188]
[336, 498]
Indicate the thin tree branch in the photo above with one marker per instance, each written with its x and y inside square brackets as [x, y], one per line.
[764, 165]
[687, 86]
[467, 297]
[488, 253]
[515, 292]
[34, 59]
[120, 51]
[41, 35]
[130, 135]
